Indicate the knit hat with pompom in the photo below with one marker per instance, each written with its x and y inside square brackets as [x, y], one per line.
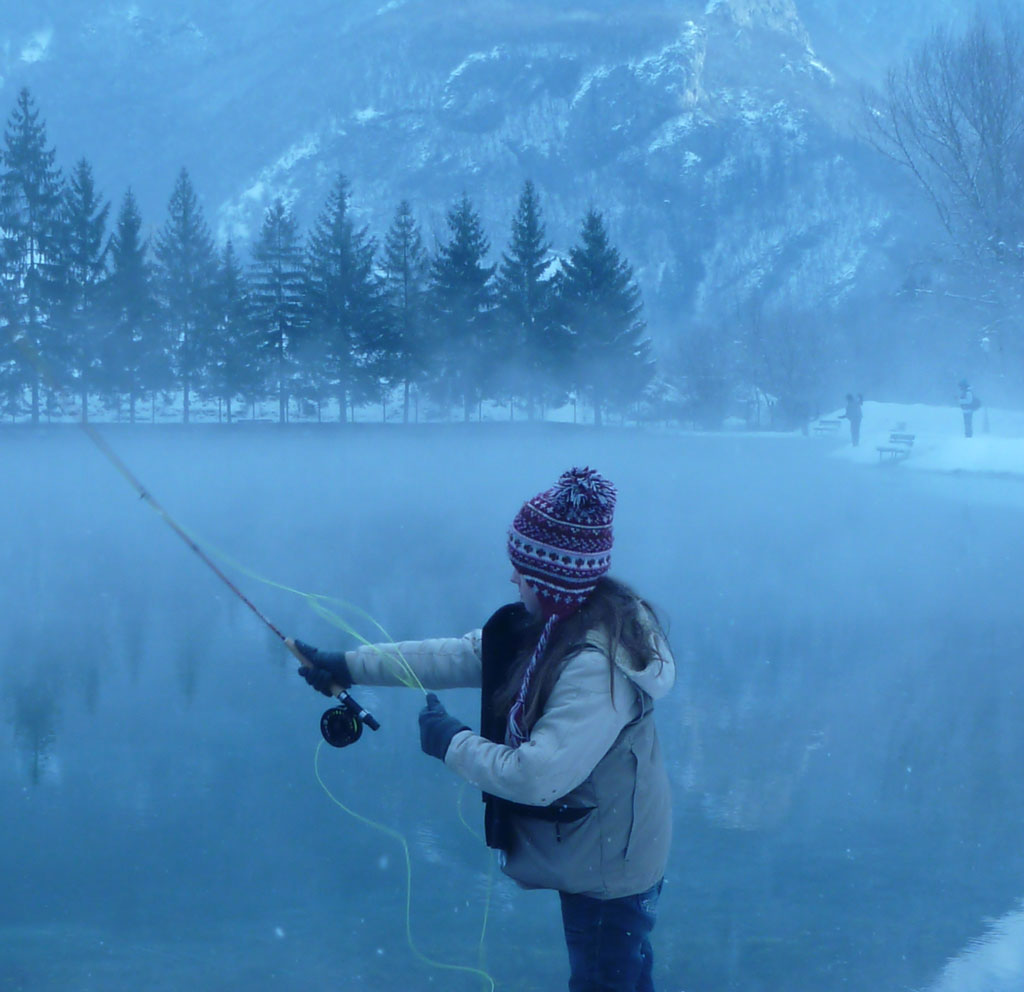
[561, 540]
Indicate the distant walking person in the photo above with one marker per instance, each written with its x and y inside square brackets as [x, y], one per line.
[968, 404]
[854, 414]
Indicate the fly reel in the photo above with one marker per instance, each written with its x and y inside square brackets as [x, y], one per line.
[342, 725]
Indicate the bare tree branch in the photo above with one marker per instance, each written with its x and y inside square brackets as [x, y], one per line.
[953, 116]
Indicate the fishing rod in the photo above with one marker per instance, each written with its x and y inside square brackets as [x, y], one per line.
[342, 724]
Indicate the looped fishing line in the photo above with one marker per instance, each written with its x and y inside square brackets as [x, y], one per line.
[396, 835]
[407, 676]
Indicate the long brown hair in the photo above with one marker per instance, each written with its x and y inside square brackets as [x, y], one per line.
[615, 614]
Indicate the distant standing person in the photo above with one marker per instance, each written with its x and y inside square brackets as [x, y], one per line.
[854, 414]
[968, 404]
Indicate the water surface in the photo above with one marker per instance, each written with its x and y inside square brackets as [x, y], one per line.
[845, 739]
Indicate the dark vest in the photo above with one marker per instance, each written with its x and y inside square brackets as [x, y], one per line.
[504, 636]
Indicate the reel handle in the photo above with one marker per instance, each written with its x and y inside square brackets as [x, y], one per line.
[357, 710]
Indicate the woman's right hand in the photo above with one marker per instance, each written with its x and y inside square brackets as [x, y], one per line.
[325, 671]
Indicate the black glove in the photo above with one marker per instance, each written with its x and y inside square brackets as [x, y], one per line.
[437, 728]
[329, 668]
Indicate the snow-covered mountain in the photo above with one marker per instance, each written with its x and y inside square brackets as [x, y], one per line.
[719, 137]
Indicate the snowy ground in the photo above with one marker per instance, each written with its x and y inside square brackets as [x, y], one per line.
[166, 408]
[995, 962]
[997, 447]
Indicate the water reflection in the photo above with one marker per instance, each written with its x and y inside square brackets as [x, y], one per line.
[34, 715]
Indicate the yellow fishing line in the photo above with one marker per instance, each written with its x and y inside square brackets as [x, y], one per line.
[407, 676]
[490, 874]
[411, 680]
[482, 947]
[462, 818]
[395, 835]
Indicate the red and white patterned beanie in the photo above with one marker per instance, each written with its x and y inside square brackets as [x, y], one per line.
[561, 540]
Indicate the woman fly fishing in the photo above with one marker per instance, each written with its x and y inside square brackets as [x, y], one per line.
[576, 792]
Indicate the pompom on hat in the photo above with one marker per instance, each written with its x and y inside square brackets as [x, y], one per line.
[561, 540]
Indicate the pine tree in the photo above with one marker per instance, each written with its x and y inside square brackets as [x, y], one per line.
[405, 280]
[462, 304]
[601, 306]
[135, 359]
[186, 269]
[535, 344]
[277, 280]
[30, 215]
[11, 375]
[82, 268]
[343, 302]
[234, 366]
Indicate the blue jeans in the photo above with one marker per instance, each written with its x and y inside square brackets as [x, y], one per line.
[609, 941]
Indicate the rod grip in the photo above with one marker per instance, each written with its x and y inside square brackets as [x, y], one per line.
[306, 663]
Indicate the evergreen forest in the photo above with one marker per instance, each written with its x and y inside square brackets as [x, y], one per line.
[319, 322]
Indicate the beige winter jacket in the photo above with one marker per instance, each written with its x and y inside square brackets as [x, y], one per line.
[594, 746]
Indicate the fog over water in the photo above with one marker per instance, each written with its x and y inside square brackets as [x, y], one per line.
[845, 739]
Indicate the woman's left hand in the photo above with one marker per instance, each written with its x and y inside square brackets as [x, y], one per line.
[437, 728]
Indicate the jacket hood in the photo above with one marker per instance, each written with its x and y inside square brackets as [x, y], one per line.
[658, 677]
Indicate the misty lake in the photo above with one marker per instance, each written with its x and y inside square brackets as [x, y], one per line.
[845, 739]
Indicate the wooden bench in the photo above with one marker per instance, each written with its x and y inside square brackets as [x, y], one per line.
[898, 447]
[827, 426]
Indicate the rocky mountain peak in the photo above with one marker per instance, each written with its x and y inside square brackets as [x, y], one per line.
[780, 16]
